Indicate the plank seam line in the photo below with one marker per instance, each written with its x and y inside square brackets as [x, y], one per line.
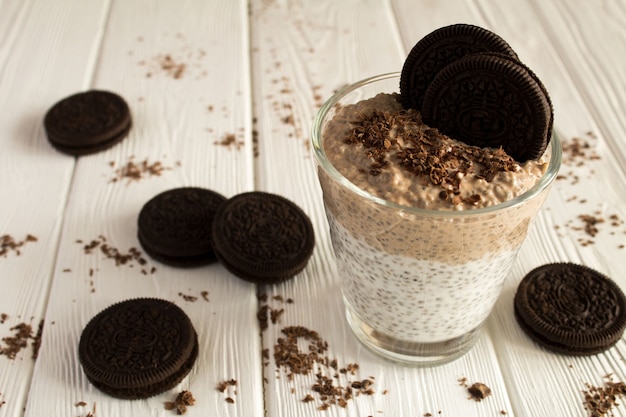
[97, 51]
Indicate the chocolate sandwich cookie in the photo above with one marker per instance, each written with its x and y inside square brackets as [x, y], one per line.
[539, 84]
[138, 348]
[570, 309]
[175, 226]
[439, 48]
[491, 101]
[87, 122]
[263, 238]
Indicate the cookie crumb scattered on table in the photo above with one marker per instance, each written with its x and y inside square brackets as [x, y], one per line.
[183, 400]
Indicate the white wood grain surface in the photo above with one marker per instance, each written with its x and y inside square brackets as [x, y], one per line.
[257, 71]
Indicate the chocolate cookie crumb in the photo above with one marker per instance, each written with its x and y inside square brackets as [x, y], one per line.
[287, 353]
[267, 313]
[578, 150]
[9, 244]
[91, 413]
[591, 223]
[180, 404]
[187, 297]
[224, 387]
[14, 344]
[275, 314]
[331, 382]
[137, 171]
[262, 317]
[172, 68]
[577, 153]
[599, 401]
[186, 62]
[36, 344]
[133, 255]
[230, 141]
[479, 391]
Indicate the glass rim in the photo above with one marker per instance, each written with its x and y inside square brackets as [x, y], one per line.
[546, 180]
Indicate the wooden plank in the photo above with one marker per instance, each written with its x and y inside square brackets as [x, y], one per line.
[183, 68]
[302, 51]
[41, 60]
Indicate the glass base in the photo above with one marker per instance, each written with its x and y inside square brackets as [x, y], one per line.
[408, 353]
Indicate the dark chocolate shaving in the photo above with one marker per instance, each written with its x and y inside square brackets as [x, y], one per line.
[425, 152]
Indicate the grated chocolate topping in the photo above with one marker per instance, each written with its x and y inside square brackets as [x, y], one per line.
[426, 152]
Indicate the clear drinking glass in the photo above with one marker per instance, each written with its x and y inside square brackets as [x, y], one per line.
[418, 284]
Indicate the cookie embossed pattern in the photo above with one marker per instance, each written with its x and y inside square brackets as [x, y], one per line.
[571, 309]
[138, 348]
[262, 237]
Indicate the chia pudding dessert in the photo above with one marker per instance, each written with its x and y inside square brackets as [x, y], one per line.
[425, 228]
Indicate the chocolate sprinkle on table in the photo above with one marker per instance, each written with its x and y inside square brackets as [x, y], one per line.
[230, 140]
[599, 401]
[22, 334]
[110, 252]
[479, 391]
[328, 384]
[221, 386]
[182, 401]
[136, 171]
[224, 385]
[9, 244]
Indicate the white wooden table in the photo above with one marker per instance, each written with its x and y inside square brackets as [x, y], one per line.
[236, 117]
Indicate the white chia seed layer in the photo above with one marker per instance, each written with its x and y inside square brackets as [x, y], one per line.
[415, 300]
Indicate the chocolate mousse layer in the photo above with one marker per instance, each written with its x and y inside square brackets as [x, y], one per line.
[388, 152]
